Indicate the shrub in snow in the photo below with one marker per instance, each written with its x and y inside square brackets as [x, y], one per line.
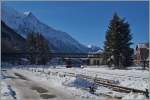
[13, 93]
[7, 92]
[92, 89]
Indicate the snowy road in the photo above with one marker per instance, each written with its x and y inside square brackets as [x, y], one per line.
[27, 89]
[31, 88]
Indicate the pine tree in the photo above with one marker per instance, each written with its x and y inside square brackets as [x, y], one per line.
[38, 48]
[117, 49]
[31, 47]
[43, 49]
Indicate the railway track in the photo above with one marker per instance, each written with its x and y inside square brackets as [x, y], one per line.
[111, 84]
[105, 82]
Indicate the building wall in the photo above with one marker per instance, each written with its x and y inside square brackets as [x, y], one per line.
[141, 54]
[95, 61]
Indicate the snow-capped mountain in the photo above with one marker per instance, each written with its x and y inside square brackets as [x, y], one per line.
[23, 23]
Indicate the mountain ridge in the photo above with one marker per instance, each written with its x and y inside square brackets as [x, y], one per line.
[24, 23]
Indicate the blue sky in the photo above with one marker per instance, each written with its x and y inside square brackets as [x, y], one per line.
[87, 22]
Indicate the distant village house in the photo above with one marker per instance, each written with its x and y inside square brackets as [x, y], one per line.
[142, 53]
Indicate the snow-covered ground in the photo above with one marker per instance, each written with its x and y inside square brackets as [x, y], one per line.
[78, 88]
[7, 93]
[137, 79]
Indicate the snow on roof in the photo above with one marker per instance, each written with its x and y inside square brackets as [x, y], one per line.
[99, 51]
[142, 45]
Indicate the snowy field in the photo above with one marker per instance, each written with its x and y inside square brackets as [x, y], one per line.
[74, 88]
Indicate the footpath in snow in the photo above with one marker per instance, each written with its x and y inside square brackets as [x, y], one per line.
[29, 86]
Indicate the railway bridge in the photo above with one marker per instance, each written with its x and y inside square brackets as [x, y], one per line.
[52, 55]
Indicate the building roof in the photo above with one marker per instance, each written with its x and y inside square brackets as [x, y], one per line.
[143, 45]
